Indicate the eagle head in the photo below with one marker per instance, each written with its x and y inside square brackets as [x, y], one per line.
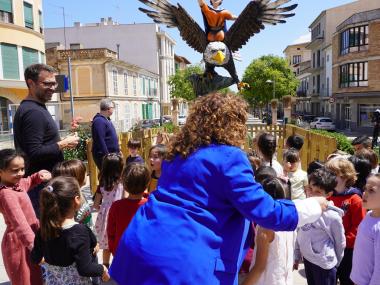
[217, 53]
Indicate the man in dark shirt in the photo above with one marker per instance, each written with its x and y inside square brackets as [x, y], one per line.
[35, 131]
[104, 136]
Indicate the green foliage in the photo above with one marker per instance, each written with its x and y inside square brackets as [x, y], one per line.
[84, 133]
[343, 143]
[268, 67]
[181, 86]
[169, 127]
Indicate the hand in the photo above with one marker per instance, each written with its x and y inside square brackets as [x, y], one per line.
[295, 266]
[105, 276]
[72, 140]
[96, 249]
[322, 202]
[44, 175]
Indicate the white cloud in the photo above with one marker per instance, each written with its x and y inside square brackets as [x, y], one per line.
[303, 39]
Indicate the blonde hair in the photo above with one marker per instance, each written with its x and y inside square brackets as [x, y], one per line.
[343, 168]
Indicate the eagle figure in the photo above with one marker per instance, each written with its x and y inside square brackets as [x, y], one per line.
[217, 44]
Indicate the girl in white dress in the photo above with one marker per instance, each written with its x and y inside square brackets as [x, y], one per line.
[111, 190]
[272, 262]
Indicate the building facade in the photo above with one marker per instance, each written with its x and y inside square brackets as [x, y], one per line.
[298, 57]
[322, 30]
[97, 74]
[181, 63]
[143, 45]
[21, 44]
[356, 70]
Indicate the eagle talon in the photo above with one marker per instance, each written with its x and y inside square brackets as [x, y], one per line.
[242, 86]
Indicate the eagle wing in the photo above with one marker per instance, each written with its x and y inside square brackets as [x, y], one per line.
[252, 20]
[176, 17]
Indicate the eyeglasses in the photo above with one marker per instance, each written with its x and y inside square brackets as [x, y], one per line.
[49, 84]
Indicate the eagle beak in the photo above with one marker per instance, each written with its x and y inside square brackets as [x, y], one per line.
[219, 57]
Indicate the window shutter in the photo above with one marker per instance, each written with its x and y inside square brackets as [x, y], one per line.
[28, 15]
[29, 56]
[150, 111]
[6, 5]
[10, 61]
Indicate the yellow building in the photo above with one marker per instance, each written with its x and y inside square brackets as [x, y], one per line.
[21, 44]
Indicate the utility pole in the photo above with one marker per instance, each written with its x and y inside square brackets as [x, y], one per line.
[68, 66]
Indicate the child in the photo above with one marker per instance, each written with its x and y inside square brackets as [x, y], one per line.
[321, 243]
[76, 169]
[294, 141]
[65, 248]
[273, 256]
[266, 145]
[348, 199]
[157, 154]
[111, 190]
[363, 170]
[133, 149]
[19, 217]
[136, 177]
[365, 264]
[297, 177]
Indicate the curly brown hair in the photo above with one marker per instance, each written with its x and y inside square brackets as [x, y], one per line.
[215, 118]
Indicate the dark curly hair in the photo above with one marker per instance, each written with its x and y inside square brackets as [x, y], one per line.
[215, 118]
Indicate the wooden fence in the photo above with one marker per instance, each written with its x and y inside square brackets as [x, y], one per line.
[316, 146]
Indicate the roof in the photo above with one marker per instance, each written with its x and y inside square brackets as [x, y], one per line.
[181, 59]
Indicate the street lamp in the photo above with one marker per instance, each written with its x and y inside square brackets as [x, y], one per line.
[274, 96]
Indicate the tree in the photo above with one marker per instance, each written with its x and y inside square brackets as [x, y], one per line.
[268, 67]
[180, 85]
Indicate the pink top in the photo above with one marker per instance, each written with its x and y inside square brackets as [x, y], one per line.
[17, 209]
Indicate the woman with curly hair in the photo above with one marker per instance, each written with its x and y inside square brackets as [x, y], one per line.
[194, 228]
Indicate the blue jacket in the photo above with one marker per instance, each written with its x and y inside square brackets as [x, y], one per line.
[194, 227]
[104, 137]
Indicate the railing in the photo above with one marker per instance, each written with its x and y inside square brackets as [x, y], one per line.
[316, 146]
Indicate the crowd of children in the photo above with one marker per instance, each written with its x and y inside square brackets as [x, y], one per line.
[344, 244]
[335, 248]
[62, 247]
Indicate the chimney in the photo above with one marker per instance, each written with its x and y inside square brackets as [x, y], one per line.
[77, 24]
[109, 21]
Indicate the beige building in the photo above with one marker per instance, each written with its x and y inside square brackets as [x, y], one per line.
[21, 44]
[97, 73]
[298, 57]
[322, 31]
[356, 70]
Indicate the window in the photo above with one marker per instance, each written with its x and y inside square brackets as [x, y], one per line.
[314, 60]
[353, 74]
[29, 56]
[366, 114]
[318, 58]
[318, 83]
[114, 80]
[135, 85]
[354, 39]
[28, 15]
[316, 31]
[41, 22]
[6, 14]
[296, 59]
[75, 46]
[125, 83]
[10, 63]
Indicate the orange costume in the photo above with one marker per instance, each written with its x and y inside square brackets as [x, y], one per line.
[215, 22]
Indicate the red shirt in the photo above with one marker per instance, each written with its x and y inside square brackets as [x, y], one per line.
[119, 217]
[354, 213]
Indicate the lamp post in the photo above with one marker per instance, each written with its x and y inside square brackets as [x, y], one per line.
[273, 97]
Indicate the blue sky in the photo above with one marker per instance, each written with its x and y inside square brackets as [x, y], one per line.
[272, 40]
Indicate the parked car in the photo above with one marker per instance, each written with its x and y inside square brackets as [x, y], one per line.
[167, 119]
[181, 119]
[145, 124]
[308, 118]
[323, 123]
